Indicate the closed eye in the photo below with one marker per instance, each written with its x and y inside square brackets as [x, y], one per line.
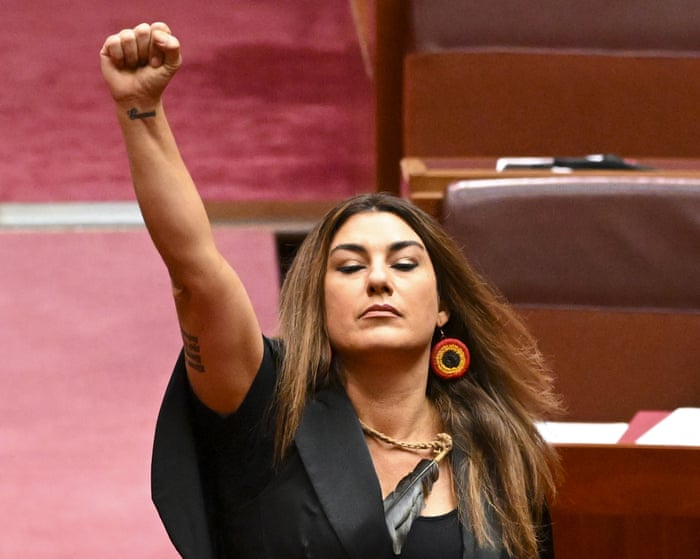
[350, 268]
[405, 265]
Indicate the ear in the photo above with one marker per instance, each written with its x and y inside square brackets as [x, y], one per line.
[442, 317]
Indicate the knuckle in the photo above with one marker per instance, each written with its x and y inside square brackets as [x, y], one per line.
[127, 35]
[141, 30]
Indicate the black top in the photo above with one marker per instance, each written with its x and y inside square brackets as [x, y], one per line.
[434, 536]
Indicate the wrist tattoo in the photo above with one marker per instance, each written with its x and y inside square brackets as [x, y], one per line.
[193, 357]
[134, 114]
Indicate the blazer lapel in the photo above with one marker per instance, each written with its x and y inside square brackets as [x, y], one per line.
[334, 453]
[335, 456]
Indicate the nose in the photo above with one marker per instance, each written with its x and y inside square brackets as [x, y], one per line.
[378, 281]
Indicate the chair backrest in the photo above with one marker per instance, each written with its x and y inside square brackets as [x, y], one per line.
[606, 271]
[560, 77]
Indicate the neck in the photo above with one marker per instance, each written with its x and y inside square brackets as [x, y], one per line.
[392, 398]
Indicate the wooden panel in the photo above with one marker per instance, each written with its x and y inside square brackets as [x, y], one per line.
[267, 210]
[500, 103]
[609, 364]
[625, 501]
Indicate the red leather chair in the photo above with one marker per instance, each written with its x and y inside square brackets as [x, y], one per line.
[606, 271]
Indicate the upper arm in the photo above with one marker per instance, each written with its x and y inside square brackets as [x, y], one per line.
[221, 335]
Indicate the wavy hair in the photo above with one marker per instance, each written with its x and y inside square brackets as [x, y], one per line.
[503, 470]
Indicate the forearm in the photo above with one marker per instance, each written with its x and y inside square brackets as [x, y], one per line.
[171, 206]
[213, 308]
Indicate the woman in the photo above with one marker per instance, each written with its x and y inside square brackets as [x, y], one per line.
[302, 446]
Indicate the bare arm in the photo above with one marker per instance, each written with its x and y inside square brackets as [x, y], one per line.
[223, 342]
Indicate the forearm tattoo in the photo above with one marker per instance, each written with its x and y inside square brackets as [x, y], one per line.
[192, 352]
[134, 114]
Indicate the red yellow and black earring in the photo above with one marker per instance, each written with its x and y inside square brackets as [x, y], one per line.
[449, 358]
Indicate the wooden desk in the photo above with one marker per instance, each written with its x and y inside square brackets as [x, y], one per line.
[424, 180]
[628, 501]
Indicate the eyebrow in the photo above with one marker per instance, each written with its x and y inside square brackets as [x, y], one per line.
[393, 247]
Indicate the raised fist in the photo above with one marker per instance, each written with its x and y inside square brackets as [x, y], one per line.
[138, 63]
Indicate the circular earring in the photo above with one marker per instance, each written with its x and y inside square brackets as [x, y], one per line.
[449, 358]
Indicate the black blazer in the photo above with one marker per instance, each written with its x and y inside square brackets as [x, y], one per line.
[325, 502]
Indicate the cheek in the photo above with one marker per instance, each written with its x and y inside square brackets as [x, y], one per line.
[338, 291]
[431, 310]
[334, 304]
[426, 295]
[336, 328]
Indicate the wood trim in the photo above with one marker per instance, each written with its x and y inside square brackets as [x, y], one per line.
[267, 210]
[391, 29]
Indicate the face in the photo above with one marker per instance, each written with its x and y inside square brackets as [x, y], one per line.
[380, 287]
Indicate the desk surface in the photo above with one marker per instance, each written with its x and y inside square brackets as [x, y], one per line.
[424, 180]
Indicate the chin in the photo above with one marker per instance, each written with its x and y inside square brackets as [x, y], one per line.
[388, 343]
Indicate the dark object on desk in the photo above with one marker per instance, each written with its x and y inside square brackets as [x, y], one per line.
[589, 162]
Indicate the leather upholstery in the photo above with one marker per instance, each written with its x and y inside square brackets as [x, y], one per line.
[641, 26]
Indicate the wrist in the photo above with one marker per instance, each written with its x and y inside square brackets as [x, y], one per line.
[135, 110]
[135, 114]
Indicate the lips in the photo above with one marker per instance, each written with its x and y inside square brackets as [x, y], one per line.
[379, 311]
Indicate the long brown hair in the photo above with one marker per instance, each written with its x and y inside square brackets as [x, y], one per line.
[507, 471]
